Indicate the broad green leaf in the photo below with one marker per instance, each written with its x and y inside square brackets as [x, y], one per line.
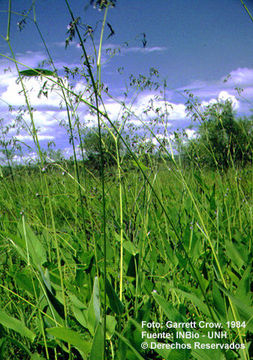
[46, 278]
[37, 72]
[32, 245]
[110, 326]
[187, 235]
[93, 315]
[171, 312]
[245, 310]
[17, 242]
[212, 200]
[127, 245]
[195, 300]
[76, 302]
[243, 291]
[219, 302]
[97, 349]
[206, 354]
[24, 282]
[234, 254]
[132, 268]
[115, 303]
[37, 357]
[71, 337]
[130, 247]
[128, 344]
[96, 301]
[81, 316]
[16, 325]
[57, 305]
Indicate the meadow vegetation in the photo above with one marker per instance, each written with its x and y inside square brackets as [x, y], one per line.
[125, 231]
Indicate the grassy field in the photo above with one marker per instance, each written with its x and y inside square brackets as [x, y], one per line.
[178, 248]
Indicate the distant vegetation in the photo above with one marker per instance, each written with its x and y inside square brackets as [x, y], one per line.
[223, 141]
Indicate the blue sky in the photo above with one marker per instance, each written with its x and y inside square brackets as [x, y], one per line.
[194, 44]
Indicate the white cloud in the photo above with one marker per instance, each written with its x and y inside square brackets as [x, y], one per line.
[158, 106]
[135, 122]
[121, 50]
[31, 58]
[191, 133]
[49, 117]
[113, 109]
[137, 116]
[14, 95]
[62, 44]
[241, 77]
[68, 151]
[32, 157]
[47, 123]
[30, 138]
[222, 97]
[160, 139]
[144, 50]
[11, 89]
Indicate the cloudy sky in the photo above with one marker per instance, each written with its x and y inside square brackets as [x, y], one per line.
[194, 45]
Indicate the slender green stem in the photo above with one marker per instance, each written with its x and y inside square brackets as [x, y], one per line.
[247, 10]
[36, 141]
[102, 181]
[100, 51]
[96, 94]
[8, 23]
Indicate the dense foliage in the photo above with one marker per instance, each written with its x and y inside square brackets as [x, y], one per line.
[40, 258]
[110, 148]
[222, 140]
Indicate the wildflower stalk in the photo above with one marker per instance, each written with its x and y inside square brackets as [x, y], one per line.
[96, 88]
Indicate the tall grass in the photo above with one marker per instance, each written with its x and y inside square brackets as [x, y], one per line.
[147, 239]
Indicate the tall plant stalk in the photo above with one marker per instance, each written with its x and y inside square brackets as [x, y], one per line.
[97, 93]
[36, 141]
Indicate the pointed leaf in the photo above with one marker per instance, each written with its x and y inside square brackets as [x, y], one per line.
[194, 299]
[71, 337]
[172, 313]
[97, 349]
[16, 325]
[115, 303]
[127, 342]
[110, 326]
[244, 310]
[94, 308]
[37, 72]
[33, 244]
